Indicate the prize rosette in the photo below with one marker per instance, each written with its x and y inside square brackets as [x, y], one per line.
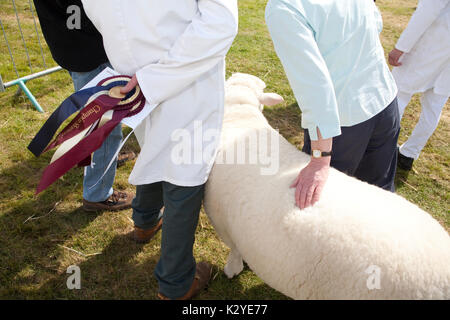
[100, 110]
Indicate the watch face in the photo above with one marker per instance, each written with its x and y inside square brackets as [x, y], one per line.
[316, 153]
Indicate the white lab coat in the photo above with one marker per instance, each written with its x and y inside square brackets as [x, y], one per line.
[177, 50]
[426, 43]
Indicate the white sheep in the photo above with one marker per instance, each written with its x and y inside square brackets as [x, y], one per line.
[357, 242]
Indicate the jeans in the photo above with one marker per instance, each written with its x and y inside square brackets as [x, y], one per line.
[368, 150]
[176, 267]
[101, 157]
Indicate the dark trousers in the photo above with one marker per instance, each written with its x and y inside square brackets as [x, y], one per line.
[368, 150]
[176, 267]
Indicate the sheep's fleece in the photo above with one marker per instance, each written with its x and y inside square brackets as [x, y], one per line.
[357, 242]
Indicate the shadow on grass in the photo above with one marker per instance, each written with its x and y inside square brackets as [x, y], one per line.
[401, 176]
[33, 263]
[32, 228]
[29, 250]
[287, 120]
[114, 274]
[223, 288]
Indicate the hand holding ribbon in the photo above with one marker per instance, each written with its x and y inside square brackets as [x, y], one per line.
[130, 85]
[87, 131]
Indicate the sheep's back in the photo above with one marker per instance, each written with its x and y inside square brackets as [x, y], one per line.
[332, 249]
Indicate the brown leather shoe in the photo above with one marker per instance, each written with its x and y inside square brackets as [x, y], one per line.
[124, 157]
[201, 279]
[144, 235]
[117, 201]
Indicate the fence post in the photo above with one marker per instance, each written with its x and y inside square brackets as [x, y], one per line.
[2, 87]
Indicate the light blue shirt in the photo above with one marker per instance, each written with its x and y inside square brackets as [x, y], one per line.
[333, 58]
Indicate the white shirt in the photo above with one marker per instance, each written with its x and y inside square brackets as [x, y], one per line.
[426, 43]
[177, 51]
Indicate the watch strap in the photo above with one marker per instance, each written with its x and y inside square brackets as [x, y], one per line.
[322, 153]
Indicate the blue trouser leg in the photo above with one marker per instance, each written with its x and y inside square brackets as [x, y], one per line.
[379, 163]
[147, 205]
[175, 270]
[95, 190]
[368, 150]
[176, 267]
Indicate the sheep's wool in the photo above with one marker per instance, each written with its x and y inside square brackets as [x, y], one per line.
[357, 242]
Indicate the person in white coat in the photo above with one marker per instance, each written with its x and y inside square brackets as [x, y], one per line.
[175, 50]
[421, 60]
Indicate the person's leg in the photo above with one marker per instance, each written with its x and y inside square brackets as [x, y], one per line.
[432, 105]
[403, 99]
[147, 205]
[379, 163]
[94, 189]
[403, 161]
[80, 79]
[176, 267]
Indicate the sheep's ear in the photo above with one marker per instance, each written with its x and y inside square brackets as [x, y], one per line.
[270, 99]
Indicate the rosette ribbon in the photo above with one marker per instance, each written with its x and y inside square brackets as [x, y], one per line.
[101, 109]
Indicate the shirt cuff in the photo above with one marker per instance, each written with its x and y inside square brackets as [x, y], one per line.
[327, 131]
[401, 47]
[143, 84]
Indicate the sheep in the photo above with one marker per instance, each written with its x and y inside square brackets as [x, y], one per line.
[357, 242]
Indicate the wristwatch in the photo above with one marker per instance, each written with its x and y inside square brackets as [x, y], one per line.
[319, 154]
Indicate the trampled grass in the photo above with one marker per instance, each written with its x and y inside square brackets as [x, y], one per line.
[35, 253]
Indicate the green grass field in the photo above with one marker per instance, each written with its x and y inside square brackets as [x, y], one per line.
[40, 236]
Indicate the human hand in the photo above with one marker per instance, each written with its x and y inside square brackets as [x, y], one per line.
[310, 182]
[394, 57]
[130, 85]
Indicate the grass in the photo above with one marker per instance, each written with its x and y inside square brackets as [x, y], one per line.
[33, 252]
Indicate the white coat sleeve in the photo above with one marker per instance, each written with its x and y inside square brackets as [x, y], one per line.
[203, 44]
[426, 13]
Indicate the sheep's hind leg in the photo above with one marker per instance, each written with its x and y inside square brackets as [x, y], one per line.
[234, 265]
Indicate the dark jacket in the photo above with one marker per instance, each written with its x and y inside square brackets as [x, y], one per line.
[74, 49]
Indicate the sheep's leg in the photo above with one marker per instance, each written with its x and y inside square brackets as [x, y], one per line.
[234, 265]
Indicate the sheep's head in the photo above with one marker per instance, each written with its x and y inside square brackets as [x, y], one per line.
[242, 88]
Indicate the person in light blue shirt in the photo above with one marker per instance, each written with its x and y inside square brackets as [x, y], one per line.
[335, 64]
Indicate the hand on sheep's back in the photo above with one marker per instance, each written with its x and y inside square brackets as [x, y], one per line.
[310, 182]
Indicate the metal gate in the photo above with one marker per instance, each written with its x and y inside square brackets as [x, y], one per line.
[26, 10]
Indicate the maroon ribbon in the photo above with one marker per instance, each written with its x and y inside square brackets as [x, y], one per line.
[81, 153]
[86, 117]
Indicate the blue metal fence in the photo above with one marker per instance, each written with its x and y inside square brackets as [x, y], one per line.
[20, 81]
